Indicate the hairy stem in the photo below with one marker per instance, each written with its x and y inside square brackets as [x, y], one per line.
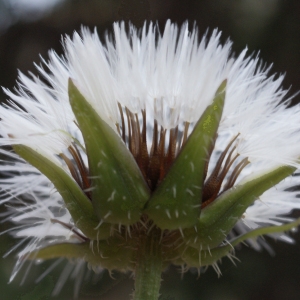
[149, 266]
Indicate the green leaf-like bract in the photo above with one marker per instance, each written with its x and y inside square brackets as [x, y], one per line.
[219, 217]
[119, 191]
[196, 258]
[77, 203]
[106, 254]
[177, 200]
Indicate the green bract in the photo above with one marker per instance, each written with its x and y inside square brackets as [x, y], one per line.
[198, 258]
[218, 218]
[76, 202]
[103, 254]
[119, 191]
[177, 200]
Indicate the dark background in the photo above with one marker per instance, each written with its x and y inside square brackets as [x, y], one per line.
[271, 27]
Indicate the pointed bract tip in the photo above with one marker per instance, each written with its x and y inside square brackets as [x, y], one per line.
[71, 84]
[222, 87]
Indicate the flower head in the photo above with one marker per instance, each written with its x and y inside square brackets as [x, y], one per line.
[147, 132]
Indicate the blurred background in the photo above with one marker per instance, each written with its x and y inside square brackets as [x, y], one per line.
[29, 28]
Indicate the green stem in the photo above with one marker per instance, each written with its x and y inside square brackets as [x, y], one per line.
[149, 267]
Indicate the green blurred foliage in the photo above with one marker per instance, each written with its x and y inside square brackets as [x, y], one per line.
[269, 26]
